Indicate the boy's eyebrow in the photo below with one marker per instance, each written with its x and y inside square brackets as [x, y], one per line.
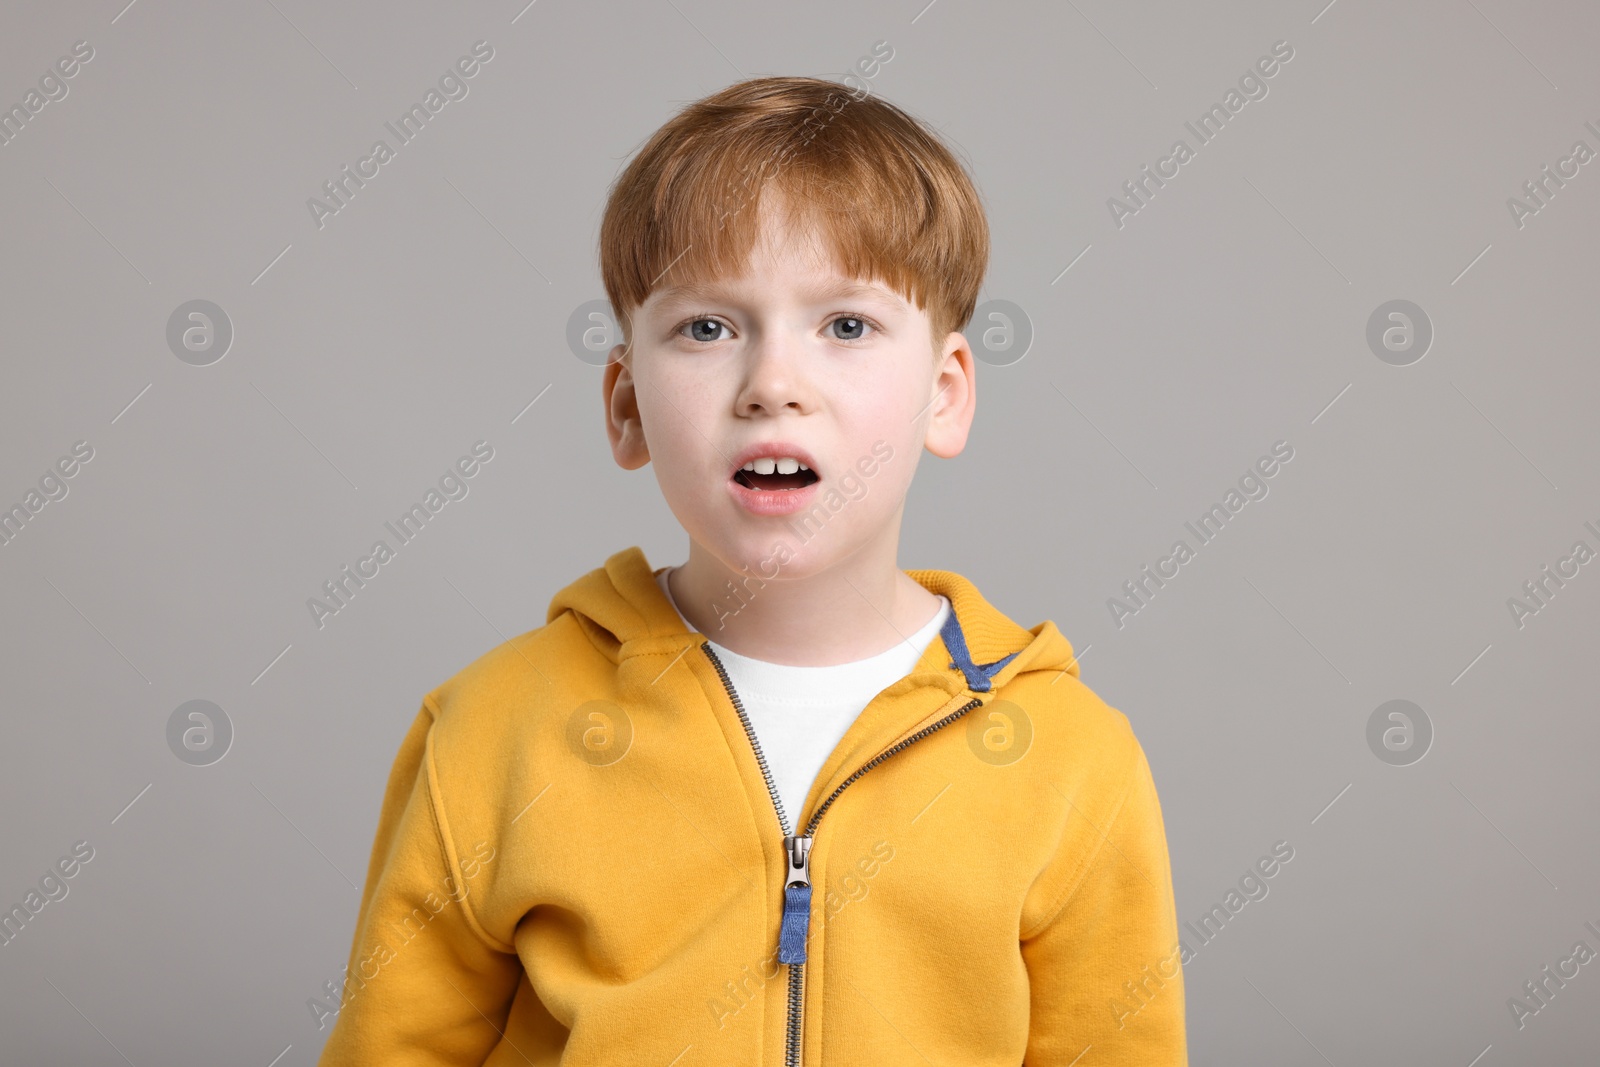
[714, 290]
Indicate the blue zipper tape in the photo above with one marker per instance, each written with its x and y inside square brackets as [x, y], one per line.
[796, 923]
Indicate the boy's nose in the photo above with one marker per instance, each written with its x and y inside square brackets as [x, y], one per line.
[775, 377]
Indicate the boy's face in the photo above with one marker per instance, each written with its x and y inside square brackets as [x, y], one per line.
[790, 354]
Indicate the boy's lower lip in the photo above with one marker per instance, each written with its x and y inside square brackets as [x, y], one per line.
[773, 501]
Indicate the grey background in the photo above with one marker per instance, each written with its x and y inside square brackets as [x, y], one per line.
[1228, 314]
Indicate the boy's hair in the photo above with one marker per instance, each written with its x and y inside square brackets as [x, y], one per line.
[879, 187]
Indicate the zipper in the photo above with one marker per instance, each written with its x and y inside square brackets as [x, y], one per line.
[796, 924]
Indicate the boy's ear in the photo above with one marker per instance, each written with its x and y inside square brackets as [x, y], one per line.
[955, 398]
[623, 426]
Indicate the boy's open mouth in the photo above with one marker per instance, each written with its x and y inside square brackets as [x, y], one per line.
[764, 482]
[767, 472]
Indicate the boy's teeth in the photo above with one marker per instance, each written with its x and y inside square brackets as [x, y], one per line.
[770, 464]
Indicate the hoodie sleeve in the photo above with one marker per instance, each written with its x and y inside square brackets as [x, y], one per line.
[426, 985]
[1104, 969]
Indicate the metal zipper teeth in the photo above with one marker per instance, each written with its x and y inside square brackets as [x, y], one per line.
[885, 754]
[766, 773]
[791, 1052]
[791, 1057]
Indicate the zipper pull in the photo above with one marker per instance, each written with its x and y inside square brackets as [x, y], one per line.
[796, 900]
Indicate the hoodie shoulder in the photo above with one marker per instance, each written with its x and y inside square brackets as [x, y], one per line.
[1082, 709]
[517, 686]
[1080, 737]
[514, 681]
[495, 722]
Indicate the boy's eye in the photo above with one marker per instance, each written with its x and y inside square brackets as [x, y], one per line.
[705, 329]
[852, 327]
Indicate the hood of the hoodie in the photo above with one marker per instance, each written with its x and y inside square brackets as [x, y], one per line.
[623, 611]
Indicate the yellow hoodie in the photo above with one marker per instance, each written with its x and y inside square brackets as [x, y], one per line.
[579, 860]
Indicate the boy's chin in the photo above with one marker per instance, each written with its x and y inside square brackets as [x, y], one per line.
[781, 553]
[773, 555]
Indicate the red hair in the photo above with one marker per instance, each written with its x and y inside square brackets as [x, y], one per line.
[882, 190]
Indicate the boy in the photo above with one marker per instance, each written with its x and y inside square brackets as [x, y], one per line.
[785, 802]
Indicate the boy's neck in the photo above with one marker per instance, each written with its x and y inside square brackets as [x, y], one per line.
[859, 608]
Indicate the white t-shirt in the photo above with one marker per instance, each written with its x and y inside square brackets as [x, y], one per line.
[799, 714]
